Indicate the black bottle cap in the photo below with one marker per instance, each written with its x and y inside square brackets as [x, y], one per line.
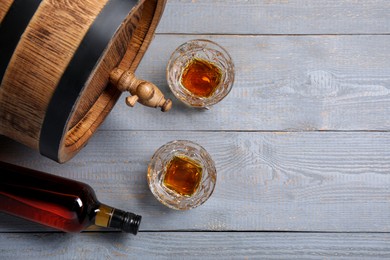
[126, 221]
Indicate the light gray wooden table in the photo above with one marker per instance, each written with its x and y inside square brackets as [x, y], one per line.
[301, 144]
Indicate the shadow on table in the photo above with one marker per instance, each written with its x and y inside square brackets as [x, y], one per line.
[35, 232]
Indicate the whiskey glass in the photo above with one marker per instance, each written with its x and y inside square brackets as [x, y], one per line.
[158, 167]
[204, 50]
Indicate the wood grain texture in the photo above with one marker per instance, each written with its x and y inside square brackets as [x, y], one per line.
[276, 17]
[111, 57]
[125, 50]
[47, 53]
[170, 245]
[5, 5]
[45, 49]
[293, 83]
[314, 181]
[288, 78]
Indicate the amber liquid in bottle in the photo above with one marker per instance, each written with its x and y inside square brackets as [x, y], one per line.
[57, 202]
[183, 175]
[201, 77]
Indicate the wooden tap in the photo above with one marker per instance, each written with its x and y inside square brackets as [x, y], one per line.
[142, 91]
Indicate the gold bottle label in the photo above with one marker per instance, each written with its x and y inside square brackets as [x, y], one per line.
[103, 216]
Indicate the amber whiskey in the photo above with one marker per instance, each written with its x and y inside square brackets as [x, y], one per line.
[201, 77]
[183, 175]
[57, 202]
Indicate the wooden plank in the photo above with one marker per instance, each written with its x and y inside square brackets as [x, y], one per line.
[276, 17]
[284, 83]
[6, 4]
[209, 245]
[311, 181]
[45, 49]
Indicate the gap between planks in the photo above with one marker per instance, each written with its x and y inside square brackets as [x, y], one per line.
[246, 131]
[272, 34]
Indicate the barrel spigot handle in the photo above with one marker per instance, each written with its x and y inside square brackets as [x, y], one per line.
[142, 91]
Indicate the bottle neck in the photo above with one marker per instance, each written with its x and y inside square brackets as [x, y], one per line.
[107, 216]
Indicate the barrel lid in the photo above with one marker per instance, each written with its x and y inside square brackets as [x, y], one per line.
[119, 37]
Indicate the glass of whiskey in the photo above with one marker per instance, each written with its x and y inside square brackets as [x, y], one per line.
[200, 73]
[181, 175]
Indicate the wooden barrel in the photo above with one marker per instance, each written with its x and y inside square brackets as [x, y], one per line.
[55, 61]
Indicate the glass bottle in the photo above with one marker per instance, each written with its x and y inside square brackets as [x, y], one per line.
[58, 202]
